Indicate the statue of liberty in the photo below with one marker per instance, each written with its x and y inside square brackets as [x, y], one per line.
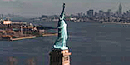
[62, 32]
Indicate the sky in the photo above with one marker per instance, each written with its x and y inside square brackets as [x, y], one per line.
[53, 7]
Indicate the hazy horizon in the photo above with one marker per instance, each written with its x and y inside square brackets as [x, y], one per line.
[35, 8]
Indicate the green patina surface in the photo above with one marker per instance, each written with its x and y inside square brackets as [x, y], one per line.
[62, 32]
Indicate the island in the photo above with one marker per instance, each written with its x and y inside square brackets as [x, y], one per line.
[22, 30]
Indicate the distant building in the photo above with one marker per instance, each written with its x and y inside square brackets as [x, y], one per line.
[120, 9]
[80, 14]
[101, 13]
[90, 13]
[108, 13]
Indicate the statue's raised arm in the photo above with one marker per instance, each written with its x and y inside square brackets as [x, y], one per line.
[62, 13]
[62, 32]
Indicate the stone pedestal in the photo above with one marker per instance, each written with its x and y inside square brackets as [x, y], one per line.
[60, 57]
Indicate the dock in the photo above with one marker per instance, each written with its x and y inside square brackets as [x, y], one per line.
[10, 38]
[50, 34]
[29, 37]
[20, 38]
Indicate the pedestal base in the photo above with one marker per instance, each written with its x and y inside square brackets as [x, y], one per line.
[60, 57]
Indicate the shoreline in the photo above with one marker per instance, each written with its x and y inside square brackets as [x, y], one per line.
[114, 23]
[27, 37]
[20, 38]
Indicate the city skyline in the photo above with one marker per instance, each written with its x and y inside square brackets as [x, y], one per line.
[49, 7]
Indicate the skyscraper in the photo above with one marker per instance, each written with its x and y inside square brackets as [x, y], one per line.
[120, 9]
[90, 13]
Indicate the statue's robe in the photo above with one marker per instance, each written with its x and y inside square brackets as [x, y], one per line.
[62, 33]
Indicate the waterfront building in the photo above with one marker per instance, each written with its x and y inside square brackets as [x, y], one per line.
[73, 18]
[55, 19]
[7, 21]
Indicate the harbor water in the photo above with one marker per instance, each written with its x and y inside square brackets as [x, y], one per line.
[90, 44]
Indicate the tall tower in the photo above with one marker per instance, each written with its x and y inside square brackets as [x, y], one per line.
[120, 9]
[60, 54]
